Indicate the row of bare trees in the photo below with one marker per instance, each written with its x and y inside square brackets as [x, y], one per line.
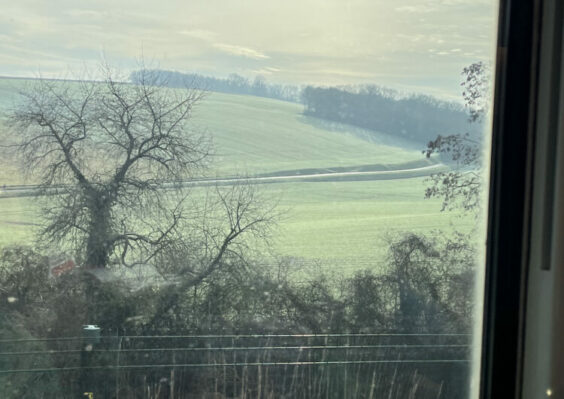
[425, 289]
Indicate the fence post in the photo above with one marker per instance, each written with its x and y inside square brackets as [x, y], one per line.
[172, 376]
[90, 337]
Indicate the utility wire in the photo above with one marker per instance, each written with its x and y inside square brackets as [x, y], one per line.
[291, 335]
[236, 336]
[213, 365]
[229, 349]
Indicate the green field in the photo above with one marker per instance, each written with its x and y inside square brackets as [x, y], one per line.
[258, 135]
[344, 222]
[17, 216]
[254, 135]
[349, 222]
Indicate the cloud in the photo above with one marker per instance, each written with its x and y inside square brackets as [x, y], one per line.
[241, 51]
[348, 73]
[199, 34]
[418, 9]
[402, 42]
[84, 13]
[266, 71]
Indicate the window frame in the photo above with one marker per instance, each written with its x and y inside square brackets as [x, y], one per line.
[510, 197]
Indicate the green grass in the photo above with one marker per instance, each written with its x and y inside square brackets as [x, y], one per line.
[17, 219]
[254, 135]
[340, 223]
[258, 135]
[348, 223]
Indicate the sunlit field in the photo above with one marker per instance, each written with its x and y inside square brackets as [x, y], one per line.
[345, 224]
[254, 135]
[350, 223]
[342, 220]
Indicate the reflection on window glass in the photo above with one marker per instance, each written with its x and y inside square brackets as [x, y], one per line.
[242, 200]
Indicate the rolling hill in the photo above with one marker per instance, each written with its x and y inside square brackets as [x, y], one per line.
[369, 185]
[255, 135]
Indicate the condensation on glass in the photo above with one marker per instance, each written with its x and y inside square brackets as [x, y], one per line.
[258, 200]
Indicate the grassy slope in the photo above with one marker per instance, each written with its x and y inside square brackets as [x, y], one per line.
[348, 223]
[16, 218]
[344, 223]
[259, 135]
[9, 173]
[255, 135]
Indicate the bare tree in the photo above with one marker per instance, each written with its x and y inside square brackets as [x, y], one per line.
[226, 224]
[429, 282]
[462, 186]
[115, 160]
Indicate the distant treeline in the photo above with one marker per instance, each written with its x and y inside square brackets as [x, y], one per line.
[233, 84]
[416, 117]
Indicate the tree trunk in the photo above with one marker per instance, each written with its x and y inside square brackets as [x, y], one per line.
[98, 245]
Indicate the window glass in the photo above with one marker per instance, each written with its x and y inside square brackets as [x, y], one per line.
[251, 199]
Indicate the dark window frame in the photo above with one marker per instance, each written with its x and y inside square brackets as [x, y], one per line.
[509, 212]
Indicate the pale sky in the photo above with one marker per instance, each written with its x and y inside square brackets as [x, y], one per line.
[418, 46]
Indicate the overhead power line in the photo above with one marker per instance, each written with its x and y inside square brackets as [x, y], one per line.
[232, 349]
[239, 336]
[214, 365]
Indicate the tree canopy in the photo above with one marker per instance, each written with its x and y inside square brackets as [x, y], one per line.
[115, 160]
[416, 117]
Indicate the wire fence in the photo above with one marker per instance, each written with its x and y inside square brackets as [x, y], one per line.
[246, 365]
[229, 349]
[237, 336]
[322, 349]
